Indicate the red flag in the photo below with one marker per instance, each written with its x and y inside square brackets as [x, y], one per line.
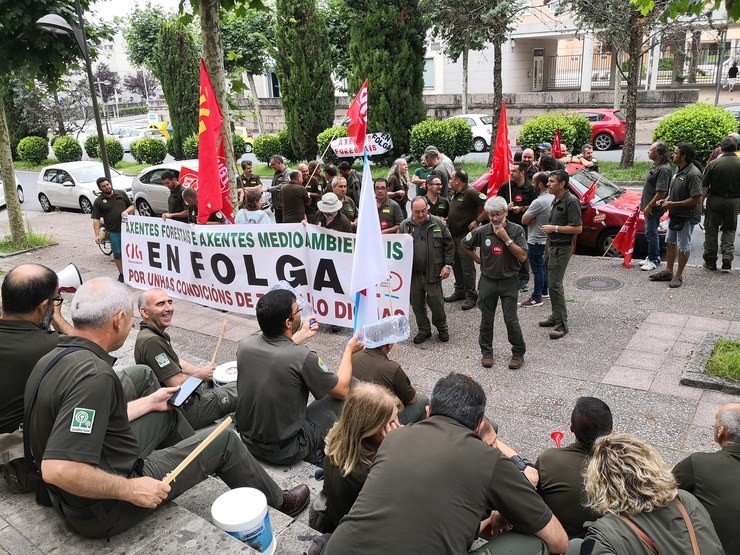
[214, 193]
[357, 128]
[501, 166]
[589, 193]
[557, 147]
[624, 242]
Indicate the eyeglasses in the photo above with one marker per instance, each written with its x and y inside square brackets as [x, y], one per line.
[381, 188]
[297, 311]
[57, 301]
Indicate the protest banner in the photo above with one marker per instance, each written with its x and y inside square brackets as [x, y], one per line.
[230, 267]
[375, 143]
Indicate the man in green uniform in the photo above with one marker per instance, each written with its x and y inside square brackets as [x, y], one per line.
[176, 209]
[561, 470]
[464, 217]
[349, 208]
[279, 180]
[434, 253]
[103, 477]
[438, 204]
[276, 375]
[389, 213]
[246, 182]
[112, 206]
[519, 194]
[712, 477]
[655, 189]
[314, 190]
[190, 196]
[354, 180]
[564, 224]
[503, 249]
[154, 348]
[373, 365]
[295, 199]
[431, 483]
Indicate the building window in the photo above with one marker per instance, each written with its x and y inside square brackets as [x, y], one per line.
[429, 73]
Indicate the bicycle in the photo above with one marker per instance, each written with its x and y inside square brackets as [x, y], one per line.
[105, 247]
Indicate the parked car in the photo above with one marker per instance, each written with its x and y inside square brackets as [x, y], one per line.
[480, 127]
[605, 215]
[734, 109]
[246, 136]
[119, 132]
[18, 190]
[608, 127]
[136, 134]
[149, 193]
[73, 185]
[164, 127]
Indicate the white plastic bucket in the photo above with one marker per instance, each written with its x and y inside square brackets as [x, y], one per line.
[242, 513]
[225, 374]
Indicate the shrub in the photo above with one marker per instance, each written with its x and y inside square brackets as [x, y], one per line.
[91, 146]
[240, 147]
[665, 64]
[286, 150]
[325, 137]
[151, 151]
[452, 137]
[33, 149]
[170, 144]
[265, 146]
[190, 147]
[67, 149]
[575, 131]
[701, 125]
[134, 150]
[133, 110]
[114, 149]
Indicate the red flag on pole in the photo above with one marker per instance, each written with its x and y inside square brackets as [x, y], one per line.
[214, 193]
[502, 159]
[357, 128]
[624, 242]
[589, 193]
[557, 147]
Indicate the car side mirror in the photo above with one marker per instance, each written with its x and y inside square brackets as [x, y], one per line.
[68, 183]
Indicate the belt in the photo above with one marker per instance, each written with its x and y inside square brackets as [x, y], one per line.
[560, 243]
[271, 447]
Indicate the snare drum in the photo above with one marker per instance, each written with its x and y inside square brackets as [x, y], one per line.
[225, 374]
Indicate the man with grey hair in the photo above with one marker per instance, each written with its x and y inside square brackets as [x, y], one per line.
[280, 179]
[712, 477]
[103, 478]
[440, 168]
[503, 248]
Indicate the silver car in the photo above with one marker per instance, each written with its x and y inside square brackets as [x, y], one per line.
[149, 193]
[18, 189]
[73, 185]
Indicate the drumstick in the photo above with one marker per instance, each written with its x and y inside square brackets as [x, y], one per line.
[218, 344]
[205, 443]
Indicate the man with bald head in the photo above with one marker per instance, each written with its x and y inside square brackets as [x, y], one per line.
[154, 348]
[528, 158]
[713, 477]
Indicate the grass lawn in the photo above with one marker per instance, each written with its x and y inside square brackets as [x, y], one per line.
[725, 360]
[612, 171]
[33, 240]
[129, 168]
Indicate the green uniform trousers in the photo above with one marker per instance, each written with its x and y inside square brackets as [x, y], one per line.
[464, 271]
[491, 290]
[424, 293]
[416, 412]
[721, 215]
[210, 404]
[556, 262]
[512, 543]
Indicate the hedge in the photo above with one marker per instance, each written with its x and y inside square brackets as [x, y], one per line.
[133, 111]
[575, 131]
[701, 125]
[452, 137]
[91, 146]
[114, 149]
[33, 149]
[190, 147]
[67, 149]
[325, 137]
[267, 145]
[151, 151]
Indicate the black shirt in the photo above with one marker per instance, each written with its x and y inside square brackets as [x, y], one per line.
[441, 208]
[216, 216]
[175, 203]
[565, 211]
[110, 209]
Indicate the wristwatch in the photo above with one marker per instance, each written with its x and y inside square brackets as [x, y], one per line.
[509, 242]
[521, 462]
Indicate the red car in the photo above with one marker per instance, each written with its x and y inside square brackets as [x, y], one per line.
[605, 215]
[607, 127]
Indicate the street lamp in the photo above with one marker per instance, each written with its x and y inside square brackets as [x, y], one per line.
[105, 106]
[58, 25]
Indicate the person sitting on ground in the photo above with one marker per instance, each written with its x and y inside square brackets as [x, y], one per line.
[706, 475]
[330, 214]
[275, 376]
[369, 414]
[190, 197]
[375, 366]
[489, 435]
[643, 512]
[561, 470]
[102, 475]
[154, 348]
[253, 214]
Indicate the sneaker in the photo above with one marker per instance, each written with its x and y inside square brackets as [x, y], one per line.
[676, 282]
[711, 266]
[487, 361]
[649, 267]
[516, 363]
[546, 295]
[643, 262]
[530, 302]
[444, 336]
[726, 265]
[523, 287]
[663, 275]
[421, 337]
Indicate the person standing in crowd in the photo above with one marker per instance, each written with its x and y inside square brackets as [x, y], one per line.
[295, 199]
[349, 208]
[246, 182]
[398, 184]
[421, 174]
[528, 158]
[330, 177]
[313, 188]
[330, 214]
[732, 76]
[279, 180]
[354, 181]
[655, 189]
[433, 160]
[438, 205]
[389, 213]
[112, 206]
[536, 216]
[176, 209]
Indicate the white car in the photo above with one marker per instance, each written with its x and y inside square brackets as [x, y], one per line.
[135, 134]
[481, 127]
[18, 189]
[73, 185]
[149, 193]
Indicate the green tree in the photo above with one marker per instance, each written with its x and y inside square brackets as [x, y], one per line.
[387, 48]
[338, 29]
[141, 34]
[176, 65]
[142, 83]
[26, 112]
[304, 68]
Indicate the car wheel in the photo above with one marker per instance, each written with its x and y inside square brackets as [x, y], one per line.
[605, 243]
[44, 202]
[85, 205]
[144, 209]
[248, 148]
[479, 144]
[603, 141]
[21, 196]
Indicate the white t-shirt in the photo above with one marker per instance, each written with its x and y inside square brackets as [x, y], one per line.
[252, 217]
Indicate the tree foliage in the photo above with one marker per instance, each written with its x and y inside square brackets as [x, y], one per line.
[248, 40]
[387, 48]
[338, 28]
[107, 81]
[142, 33]
[668, 10]
[26, 112]
[304, 68]
[142, 83]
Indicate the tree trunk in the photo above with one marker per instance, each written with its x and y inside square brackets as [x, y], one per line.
[257, 108]
[15, 216]
[633, 78]
[465, 53]
[693, 65]
[498, 95]
[61, 130]
[213, 54]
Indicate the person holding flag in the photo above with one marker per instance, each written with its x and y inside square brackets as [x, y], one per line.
[624, 242]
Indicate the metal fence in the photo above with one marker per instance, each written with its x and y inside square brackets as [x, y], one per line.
[564, 72]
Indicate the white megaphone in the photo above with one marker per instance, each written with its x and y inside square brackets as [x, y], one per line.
[69, 279]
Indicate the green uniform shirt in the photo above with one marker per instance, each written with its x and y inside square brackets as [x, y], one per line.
[22, 344]
[313, 187]
[339, 223]
[175, 203]
[464, 208]
[295, 199]
[722, 176]
[274, 378]
[372, 365]
[389, 214]
[522, 196]
[110, 209]
[81, 414]
[354, 184]
[216, 216]
[686, 184]
[658, 179]
[433, 246]
[561, 486]
[441, 208]
[713, 478]
[154, 349]
[349, 209]
[565, 211]
[422, 174]
[243, 181]
[496, 259]
[427, 490]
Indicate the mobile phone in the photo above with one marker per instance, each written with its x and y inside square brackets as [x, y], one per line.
[187, 389]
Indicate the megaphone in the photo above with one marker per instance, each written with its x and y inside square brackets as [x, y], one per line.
[69, 279]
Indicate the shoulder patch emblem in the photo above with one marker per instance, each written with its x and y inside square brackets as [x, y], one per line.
[323, 366]
[482, 196]
[162, 359]
[469, 236]
[82, 421]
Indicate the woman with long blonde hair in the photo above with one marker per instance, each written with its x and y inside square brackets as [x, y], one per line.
[369, 413]
[398, 183]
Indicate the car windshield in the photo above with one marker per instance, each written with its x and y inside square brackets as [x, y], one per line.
[606, 191]
[487, 120]
[88, 174]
